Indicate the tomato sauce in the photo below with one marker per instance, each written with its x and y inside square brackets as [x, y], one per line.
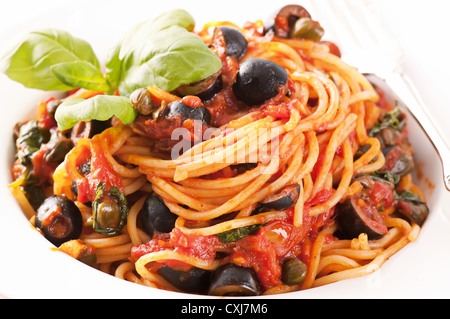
[87, 165]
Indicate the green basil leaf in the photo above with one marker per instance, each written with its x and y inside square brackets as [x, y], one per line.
[31, 61]
[119, 58]
[162, 53]
[177, 17]
[238, 233]
[409, 196]
[81, 74]
[29, 141]
[390, 119]
[99, 107]
[177, 57]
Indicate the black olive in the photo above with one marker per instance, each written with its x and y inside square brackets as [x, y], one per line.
[212, 90]
[185, 112]
[355, 216]
[59, 219]
[155, 216]
[88, 129]
[195, 280]
[235, 42]
[410, 206]
[284, 199]
[204, 89]
[234, 280]
[286, 16]
[58, 147]
[258, 80]
[404, 163]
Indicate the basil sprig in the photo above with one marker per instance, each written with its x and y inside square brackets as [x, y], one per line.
[162, 52]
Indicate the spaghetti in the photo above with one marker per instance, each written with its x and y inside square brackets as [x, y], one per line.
[310, 174]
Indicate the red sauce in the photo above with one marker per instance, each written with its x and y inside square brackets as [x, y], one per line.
[92, 156]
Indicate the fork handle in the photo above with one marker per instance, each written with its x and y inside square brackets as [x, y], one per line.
[399, 82]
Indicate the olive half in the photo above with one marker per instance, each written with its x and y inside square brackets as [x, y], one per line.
[234, 280]
[235, 42]
[284, 199]
[59, 219]
[185, 112]
[355, 216]
[155, 216]
[195, 280]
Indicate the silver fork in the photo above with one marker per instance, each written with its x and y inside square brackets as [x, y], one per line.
[370, 47]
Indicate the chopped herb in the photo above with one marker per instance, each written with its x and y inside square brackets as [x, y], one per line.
[238, 233]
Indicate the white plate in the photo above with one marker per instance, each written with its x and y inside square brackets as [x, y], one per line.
[31, 269]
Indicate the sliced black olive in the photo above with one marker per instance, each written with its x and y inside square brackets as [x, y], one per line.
[284, 199]
[155, 216]
[142, 101]
[258, 80]
[234, 280]
[204, 89]
[195, 280]
[410, 206]
[185, 112]
[293, 271]
[88, 129]
[59, 219]
[285, 19]
[208, 93]
[355, 216]
[404, 161]
[58, 147]
[235, 42]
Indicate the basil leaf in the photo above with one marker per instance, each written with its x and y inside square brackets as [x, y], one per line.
[99, 107]
[31, 61]
[382, 176]
[161, 53]
[238, 233]
[177, 17]
[119, 58]
[81, 74]
[29, 141]
[391, 119]
[409, 196]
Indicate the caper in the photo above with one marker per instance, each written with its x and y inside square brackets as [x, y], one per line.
[293, 271]
[142, 101]
[108, 215]
[306, 28]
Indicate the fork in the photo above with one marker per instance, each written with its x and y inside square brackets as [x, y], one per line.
[371, 48]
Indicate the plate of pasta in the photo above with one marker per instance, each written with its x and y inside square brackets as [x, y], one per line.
[241, 156]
